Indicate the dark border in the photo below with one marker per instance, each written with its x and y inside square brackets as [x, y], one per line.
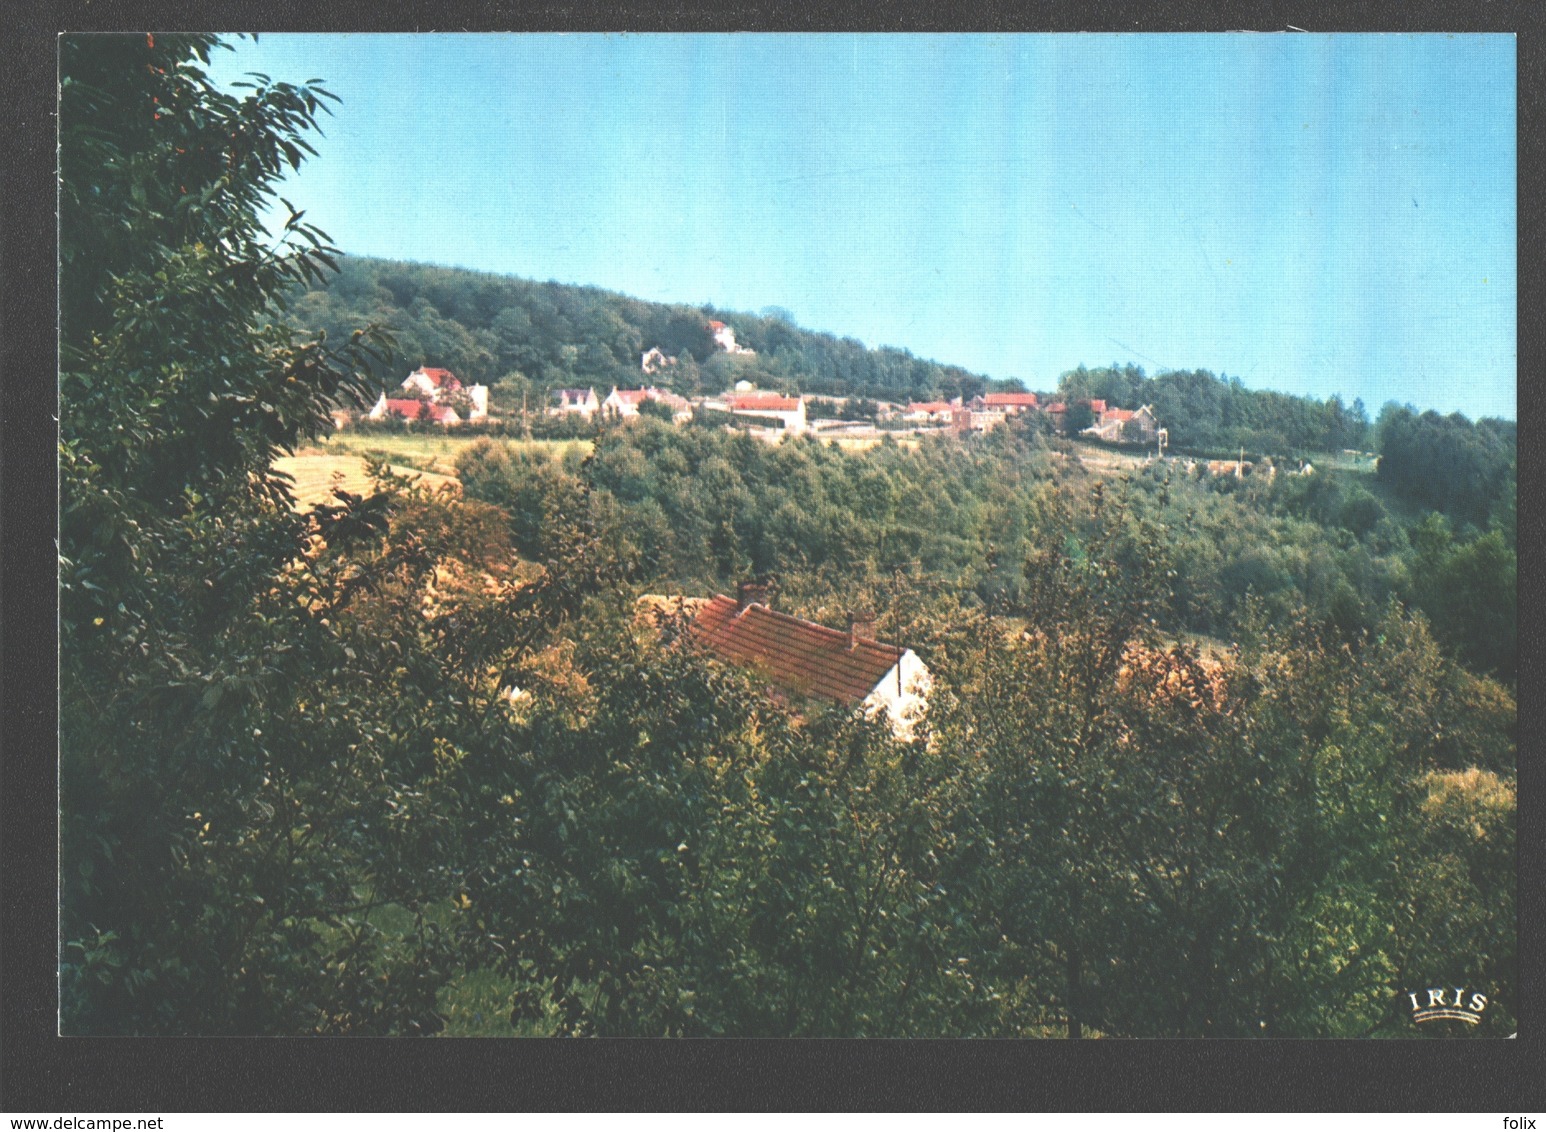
[40, 1072]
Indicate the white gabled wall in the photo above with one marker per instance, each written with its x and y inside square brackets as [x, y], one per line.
[902, 694]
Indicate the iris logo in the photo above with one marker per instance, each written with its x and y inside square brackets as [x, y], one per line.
[1447, 1002]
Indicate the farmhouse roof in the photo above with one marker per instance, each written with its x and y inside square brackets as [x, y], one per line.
[768, 402]
[1010, 400]
[929, 406]
[406, 407]
[1057, 407]
[1097, 406]
[798, 657]
[1117, 415]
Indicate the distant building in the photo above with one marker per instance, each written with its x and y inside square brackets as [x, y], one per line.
[803, 660]
[624, 403]
[928, 412]
[789, 411]
[655, 360]
[724, 338]
[581, 401]
[1133, 425]
[441, 391]
[413, 409]
[1008, 403]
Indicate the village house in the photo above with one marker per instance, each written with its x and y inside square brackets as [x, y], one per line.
[582, 401]
[724, 338]
[433, 395]
[624, 403]
[413, 409]
[1006, 403]
[965, 419]
[788, 411]
[803, 660]
[1117, 425]
[655, 359]
[929, 412]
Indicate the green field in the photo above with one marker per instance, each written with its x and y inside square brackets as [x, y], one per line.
[431, 453]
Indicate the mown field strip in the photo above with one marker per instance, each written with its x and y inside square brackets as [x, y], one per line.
[316, 476]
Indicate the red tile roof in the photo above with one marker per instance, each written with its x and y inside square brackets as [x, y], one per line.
[1117, 415]
[929, 407]
[1057, 407]
[716, 326]
[422, 411]
[1097, 406]
[767, 402]
[798, 657]
[1028, 400]
[404, 407]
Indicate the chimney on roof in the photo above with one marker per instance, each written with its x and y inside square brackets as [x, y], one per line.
[749, 593]
[861, 627]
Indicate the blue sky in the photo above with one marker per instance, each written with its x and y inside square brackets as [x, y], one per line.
[1312, 213]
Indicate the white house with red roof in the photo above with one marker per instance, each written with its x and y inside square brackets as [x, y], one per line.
[788, 411]
[803, 660]
[434, 394]
[724, 338]
[1007, 403]
[624, 403]
[413, 409]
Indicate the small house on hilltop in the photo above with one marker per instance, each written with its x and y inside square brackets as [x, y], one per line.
[724, 338]
[803, 660]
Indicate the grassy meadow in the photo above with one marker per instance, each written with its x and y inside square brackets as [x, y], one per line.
[433, 453]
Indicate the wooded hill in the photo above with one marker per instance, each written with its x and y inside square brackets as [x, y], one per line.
[523, 338]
